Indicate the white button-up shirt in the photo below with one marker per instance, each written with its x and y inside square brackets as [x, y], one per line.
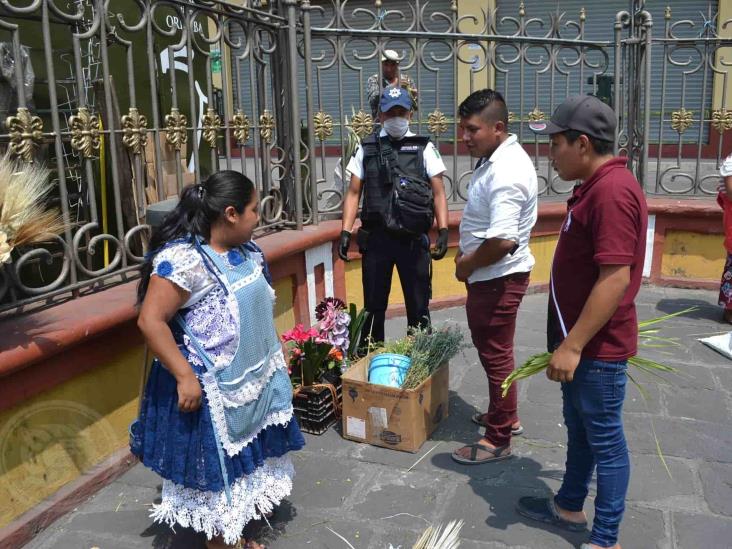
[725, 170]
[502, 202]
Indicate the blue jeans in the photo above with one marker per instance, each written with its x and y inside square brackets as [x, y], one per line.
[592, 407]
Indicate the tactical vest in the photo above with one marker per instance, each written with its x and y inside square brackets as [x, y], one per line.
[377, 182]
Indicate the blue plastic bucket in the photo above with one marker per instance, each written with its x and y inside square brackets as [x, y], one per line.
[389, 369]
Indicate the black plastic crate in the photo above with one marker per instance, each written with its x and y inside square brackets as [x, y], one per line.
[315, 409]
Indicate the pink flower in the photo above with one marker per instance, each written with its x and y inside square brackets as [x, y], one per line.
[299, 334]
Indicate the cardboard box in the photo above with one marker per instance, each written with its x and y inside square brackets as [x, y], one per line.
[170, 179]
[393, 418]
[167, 151]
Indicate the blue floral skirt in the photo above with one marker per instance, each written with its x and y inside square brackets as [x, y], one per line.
[181, 448]
[725, 286]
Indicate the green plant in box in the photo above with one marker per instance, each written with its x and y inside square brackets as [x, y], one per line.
[428, 348]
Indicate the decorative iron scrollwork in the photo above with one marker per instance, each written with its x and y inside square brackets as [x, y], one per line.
[211, 127]
[362, 123]
[511, 117]
[536, 115]
[323, 125]
[84, 128]
[437, 122]
[722, 120]
[241, 125]
[134, 130]
[26, 131]
[266, 126]
[681, 120]
[176, 132]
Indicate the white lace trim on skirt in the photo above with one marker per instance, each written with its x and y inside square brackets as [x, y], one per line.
[253, 496]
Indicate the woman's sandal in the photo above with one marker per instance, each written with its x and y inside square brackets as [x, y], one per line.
[545, 510]
[477, 418]
[494, 454]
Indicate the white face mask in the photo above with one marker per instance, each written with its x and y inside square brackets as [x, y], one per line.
[396, 127]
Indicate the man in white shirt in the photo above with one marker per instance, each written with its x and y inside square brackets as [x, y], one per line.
[494, 260]
[391, 170]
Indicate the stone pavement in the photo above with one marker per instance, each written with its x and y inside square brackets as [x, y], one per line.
[377, 498]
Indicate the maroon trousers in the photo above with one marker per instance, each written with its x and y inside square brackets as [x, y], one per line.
[491, 307]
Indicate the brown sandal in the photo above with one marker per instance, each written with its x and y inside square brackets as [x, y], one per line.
[496, 454]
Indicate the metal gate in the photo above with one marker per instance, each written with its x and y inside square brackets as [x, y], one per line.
[126, 101]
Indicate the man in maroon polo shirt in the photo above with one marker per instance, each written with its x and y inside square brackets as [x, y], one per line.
[592, 327]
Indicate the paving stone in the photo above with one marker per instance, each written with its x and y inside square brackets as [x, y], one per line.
[692, 374]
[543, 422]
[121, 523]
[717, 482]
[724, 376]
[701, 531]
[703, 404]
[488, 507]
[84, 540]
[644, 528]
[323, 480]
[384, 500]
[680, 438]
[140, 476]
[650, 483]
[542, 390]
[635, 401]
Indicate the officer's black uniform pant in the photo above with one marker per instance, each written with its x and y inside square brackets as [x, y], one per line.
[381, 251]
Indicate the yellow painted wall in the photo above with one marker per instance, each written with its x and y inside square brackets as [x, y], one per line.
[284, 306]
[543, 249]
[444, 283]
[52, 438]
[693, 255]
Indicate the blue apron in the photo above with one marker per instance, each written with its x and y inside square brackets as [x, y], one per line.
[241, 394]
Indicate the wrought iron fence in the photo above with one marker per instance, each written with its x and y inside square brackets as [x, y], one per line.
[128, 100]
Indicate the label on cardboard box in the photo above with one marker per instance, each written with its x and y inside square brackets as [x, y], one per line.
[378, 418]
[356, 427]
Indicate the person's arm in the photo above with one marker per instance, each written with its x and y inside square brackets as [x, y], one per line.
[728, 186]
[350, 203]
[440, 198]
[373, 94]
[506, 205]
[603, 301]
[162, 301]
[491, 251]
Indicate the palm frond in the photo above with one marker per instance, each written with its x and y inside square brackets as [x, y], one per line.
[441, 538]
[644, 395]
[644, 323]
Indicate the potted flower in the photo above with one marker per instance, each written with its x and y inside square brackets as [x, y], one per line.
[315, 358]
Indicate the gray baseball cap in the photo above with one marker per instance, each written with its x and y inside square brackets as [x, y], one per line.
[583, 113]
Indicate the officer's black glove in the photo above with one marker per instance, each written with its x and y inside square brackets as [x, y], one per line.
[440, 248]
[343, 245]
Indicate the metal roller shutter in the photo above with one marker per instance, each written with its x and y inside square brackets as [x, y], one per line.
[599, 25]
[335, 91]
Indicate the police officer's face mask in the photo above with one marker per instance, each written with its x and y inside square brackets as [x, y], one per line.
[396, 127]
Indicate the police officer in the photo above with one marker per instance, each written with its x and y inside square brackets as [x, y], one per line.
[391, 75]
[395, 156]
